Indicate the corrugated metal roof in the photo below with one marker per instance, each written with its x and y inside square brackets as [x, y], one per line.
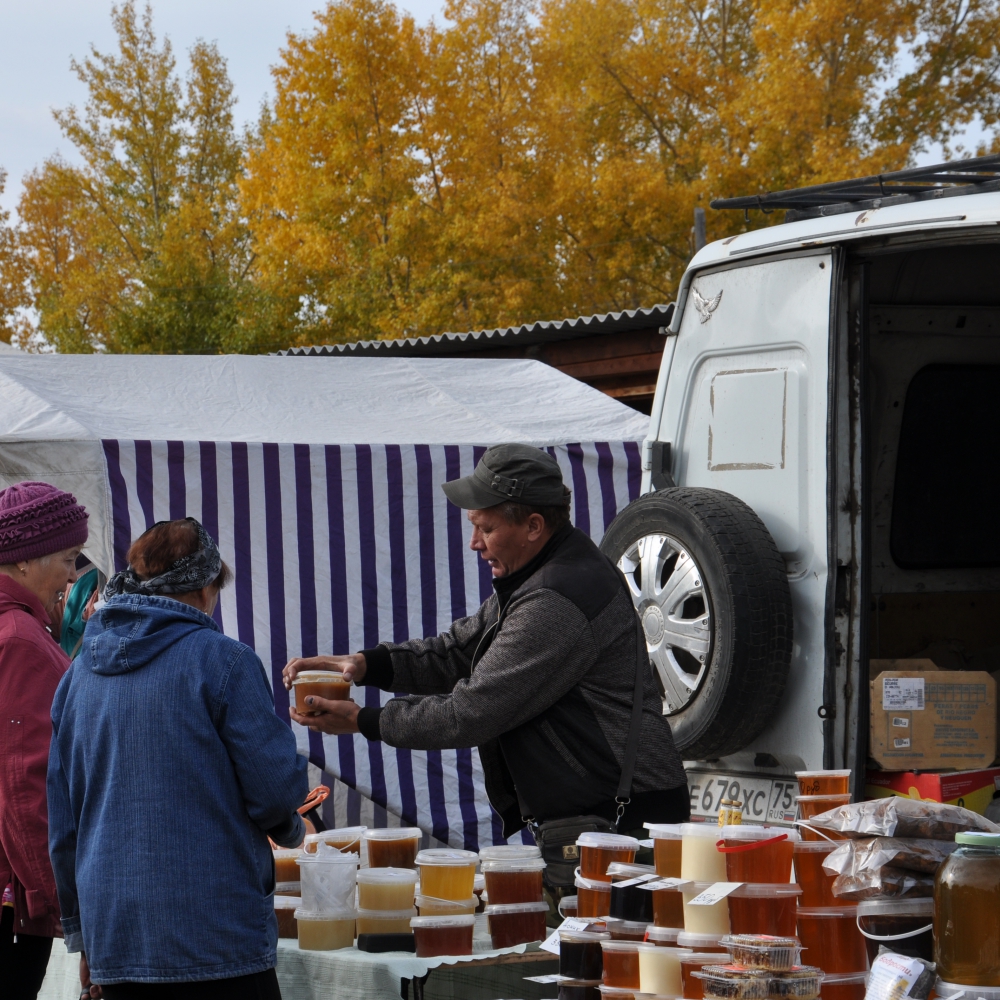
[511, 336]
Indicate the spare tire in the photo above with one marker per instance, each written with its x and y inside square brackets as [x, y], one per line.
[712, 593]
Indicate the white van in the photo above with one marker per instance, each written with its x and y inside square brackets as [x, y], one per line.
[822, 474]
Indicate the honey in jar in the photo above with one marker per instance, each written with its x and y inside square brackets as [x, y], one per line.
[660, 970]
[324, 931]
[666, 848]
[394, 847]
[757, 853]
[286, 867]
[514, 881]
[621, 964]
[904, 926]
[386, 889]
[284, 911]
[598, 850]
[516, 923]
[593, 898]
[831, 939]
[692, 987]
[328, 684]
[668, 907]
[385, 921]
[815, 880]
[445, 935]
[812, 805]
[446, 873]
[823, 782]
[967, 912]
[580, 955]
[763, 908]
[712, 919]
[844, 986]
[346, 839]
[429, 906]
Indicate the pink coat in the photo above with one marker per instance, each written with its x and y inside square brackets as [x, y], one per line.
[31, 666]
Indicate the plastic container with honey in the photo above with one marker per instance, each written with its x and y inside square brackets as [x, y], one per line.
[580, 954]
[443, 935]
[579, 989]
[328, 880]
[446, 873]
[812, 805]
[702, 942]
[816, 882]
[831, 938]
[967, 912]
[712, 919]
[325, 931]
[846, 986]
[764, 908]
[509, 852]
[666, 848]
[616, 993]
[629, 901]
[385, 921]
[593, 897]
[568, 906]
[823, 782]
[430, 907]
[660, 969]
[393, 847]
[516, 881]
[905, 926]
[626, 930]
[701, 860]
[598, 850]
[288, 888]
[695, 961]
[665, 937]
[329, 684]
[516, 923]
[757, 853]
[347, 838]
[286, 868]
[621, 964]
[386, 888]
[284, 910]
[668, 907]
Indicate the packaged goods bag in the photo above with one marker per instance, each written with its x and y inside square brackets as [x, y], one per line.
[895, 977]
[883, 882]
[908, 853]
[898, 817]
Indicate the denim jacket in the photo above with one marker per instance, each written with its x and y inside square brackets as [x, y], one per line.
[168, 769]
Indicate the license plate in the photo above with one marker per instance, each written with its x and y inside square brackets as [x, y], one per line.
[764, 800]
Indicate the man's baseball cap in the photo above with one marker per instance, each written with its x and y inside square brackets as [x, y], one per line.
[515, 472]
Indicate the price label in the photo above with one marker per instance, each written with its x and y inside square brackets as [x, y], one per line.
[633, 881]
[551, 943]
[544, 980]
[666, 883]
[714, 893]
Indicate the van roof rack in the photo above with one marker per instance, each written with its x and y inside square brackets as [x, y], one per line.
[941, 180]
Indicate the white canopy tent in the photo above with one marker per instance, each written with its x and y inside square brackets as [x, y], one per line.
[320, 480]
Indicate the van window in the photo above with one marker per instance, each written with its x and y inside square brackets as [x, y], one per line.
[946, 501]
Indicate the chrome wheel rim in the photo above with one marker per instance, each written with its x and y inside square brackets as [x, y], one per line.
[668, 590]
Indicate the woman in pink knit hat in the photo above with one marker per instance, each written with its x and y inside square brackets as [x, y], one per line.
[42, 530]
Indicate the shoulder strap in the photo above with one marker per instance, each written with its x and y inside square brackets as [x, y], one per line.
[635, 724]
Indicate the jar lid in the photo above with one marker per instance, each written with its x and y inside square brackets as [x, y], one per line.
[620, 945]
[592, 883]
[285, 852]
[668, 934]
[816, 846]
[499, 909]
[978, 838]
[770, 890]
[509, 852]
[327, 855]
[447, 856]
[301, 914]
[287, 887]
[705, 830]
[750, 832]
[617, 992]
[899, 907]
[583, 937]
[382, 876]
[661, 950]
[515, 865]
[620, 924]
[626, 869]
[829, 911]
[692, 939]
[387, 914]
[664, 831]
[432, 900]
[313, 676]
[393, 833]
[607, 841]
[823, 774]
[851, 978]
[445, 920]
[951, 990]
[836, 797]
[287, 902]
[343, 834]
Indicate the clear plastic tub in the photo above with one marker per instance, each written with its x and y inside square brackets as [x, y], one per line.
[284, 910]
[579, 989]
[385, 921]
[593, 897]
[663, 936]
[667, 843]
[386, 888]
[816, 882]
[393, 847]
[325, 931]
[763, 951]
[328, 880]
[764, 909]
[845, 986]
[712, 919]
[905, 926]
[447, 935]
[509, 852]
[630, 901]
[514, 881]
[660, 969]
[824, 782]
[813, 805]
[668, 907]
[701, 860]
[948, 990]
[430, 906]
[626, 930]
[616, 993]
[831, 938]
[702, 942]
[288, 888]
[568, 906]
[580, 954]
[801, 982]
[733, 982]
[329, 684]
[446, 873]
[695, 961]
[286, 868]
[621, 964]
[598, 850]
[761, 854]
[345, 838]
[516, 923]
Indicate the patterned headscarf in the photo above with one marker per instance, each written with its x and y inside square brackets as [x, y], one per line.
[189, 573]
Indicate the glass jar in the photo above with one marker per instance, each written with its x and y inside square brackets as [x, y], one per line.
[967, 912]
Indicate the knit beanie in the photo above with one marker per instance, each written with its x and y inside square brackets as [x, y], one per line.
[37, 519]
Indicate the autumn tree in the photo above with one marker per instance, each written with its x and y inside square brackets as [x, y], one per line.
[12, 291]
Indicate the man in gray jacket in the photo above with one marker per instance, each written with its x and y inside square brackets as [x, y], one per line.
[540, 678]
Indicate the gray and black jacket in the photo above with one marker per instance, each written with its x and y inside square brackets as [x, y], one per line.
[549, 701]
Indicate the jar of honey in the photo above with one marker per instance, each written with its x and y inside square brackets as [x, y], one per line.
[328, 684]
[712, 919]
[385, 921]
[813, 805]
[824, 782]
[516, 923]
[701, 860]
[757, 853]
[629, 901]
[764, 908]
[848, 986]
[817, 883]
[286, 867]
[284, 911]
[626, 930]
[666, 937]
[967, 912]
[446, 873]
[346, 839]
[386, 888]
[702, 942]
[444, 935]
[660, 970]
[621, 964]
[568, 906]
[429, 906]
[598, 850]
[509, 852]
[579, 989]
[593, 897]
[393, 847]
[831, 939]
[325, 931]
[666, 848]
[668, 907]
[691, 962]
[904, 926]
[514, 881]
[581, 955]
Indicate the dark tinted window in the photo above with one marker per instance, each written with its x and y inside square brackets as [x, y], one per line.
[946, 504]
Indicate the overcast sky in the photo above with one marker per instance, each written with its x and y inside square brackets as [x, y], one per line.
[39, 37]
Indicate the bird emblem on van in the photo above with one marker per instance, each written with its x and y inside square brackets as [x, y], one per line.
[705, 306]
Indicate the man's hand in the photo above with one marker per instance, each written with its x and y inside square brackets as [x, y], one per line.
[352, 666]
[335, 717]
[88, 988]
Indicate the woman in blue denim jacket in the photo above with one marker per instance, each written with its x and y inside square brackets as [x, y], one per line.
[168, 771]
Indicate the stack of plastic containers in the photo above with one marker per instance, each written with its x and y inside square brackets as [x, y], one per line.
[516, 912]
[347, 838]
[668, 907]
[443, 935]
[327, 915]
[631, 909]
[760, 967]
[286, 872]
[820, 791]
[593, 883]
[385, 900]
[703, 865]
[581, 962]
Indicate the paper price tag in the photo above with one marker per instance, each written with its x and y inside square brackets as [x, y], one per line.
[553, 978]
[902, 694]
[633, 881]
[714, 893]
[551, 943]
[665, 883]
[645, 843]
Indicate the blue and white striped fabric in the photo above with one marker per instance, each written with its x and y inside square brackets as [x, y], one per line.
[337, 547]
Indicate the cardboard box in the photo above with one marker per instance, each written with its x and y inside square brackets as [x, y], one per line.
[926, 720]
[971, 789]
